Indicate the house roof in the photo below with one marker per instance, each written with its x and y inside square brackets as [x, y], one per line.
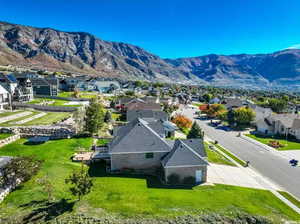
[3, 90]
[159, 115]
[183, 155]
[233, 102]
[143, 106]
[286, 120]
[138, 136]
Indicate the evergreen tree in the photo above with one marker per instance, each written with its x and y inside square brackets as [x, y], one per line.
[195, 132]
[81, 182]
[107, 117]
[94, 117]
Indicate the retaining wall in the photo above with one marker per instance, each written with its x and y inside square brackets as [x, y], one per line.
[44, 108]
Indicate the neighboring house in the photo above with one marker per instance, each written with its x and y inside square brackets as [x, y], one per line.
[106, 86]
[19, 89]
[142, 105]
[158, 115]
[215, 100]
[281, 124]
[4, 98]
[260, 112]
[233, 103]
[166, 100]
[45, 86]
[139, 147]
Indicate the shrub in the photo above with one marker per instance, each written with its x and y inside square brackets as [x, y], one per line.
[189, 180]
[173, 178]
[275, 144]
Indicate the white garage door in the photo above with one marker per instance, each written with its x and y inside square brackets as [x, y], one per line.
[198, 176]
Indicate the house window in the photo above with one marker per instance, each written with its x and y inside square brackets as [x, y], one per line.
[149, 155]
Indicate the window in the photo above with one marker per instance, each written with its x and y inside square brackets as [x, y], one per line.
[149, 155]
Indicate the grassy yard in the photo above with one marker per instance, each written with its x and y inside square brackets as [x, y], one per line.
[215, 157]
[83, 94]
[8, 113]
[49, 118]
[241, 162]
[288, 145]
[290, 198]
[128, 196]
[5, 135]
[53, 102]
[12, 122]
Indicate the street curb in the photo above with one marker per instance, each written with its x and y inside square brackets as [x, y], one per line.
[264, 146]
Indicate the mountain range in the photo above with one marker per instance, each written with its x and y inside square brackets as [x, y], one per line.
[80, 52]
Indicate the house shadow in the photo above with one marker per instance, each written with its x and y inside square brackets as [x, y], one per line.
[46, 211]
[98, 169]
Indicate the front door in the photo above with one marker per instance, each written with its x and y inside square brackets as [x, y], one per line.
[198, 176]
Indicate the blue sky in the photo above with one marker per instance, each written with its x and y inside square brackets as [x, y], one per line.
[170, 28]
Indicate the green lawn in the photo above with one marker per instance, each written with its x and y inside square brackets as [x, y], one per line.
[241, 162]
[288, 145]
[5, 135]
[83, 94]
[8, 113]
[55, 102]
[49, 118]
[12, 122]
[290, 198]
[129, 196]
[215, 157]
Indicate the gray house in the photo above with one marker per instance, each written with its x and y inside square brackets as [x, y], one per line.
[139, 146]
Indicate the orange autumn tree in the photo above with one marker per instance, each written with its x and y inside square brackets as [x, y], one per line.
[215, 110]
[182, 122]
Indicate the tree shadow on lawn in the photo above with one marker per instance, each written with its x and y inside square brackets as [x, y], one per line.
[46, 211]
[98, 170]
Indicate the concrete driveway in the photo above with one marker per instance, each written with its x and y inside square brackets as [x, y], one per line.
[237, 176]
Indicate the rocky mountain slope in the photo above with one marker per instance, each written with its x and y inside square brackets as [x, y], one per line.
[81, 52]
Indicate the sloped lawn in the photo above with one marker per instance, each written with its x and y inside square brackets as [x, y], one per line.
[125, 195]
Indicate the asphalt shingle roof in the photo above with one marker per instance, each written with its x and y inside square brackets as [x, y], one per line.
[183, 155]
[137, 137]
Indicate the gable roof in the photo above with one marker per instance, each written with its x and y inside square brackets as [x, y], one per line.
[183, 155]
[141, 105]
[133, 114]
[137, 137]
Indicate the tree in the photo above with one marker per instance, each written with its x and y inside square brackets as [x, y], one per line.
[214, 110]
[107, 117]
[181, 121]
[169, 109]
[244, 115]
[76, 93]
[195, 132]
[81, 183]
[47, 186]
[277, 105]
[230, 117]
[207, 97]
[94, 117]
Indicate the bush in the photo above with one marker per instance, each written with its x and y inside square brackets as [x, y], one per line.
[189, 180]
[173, 178]
[275, 144]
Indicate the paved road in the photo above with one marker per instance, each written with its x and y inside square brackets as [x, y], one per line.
[268, 163]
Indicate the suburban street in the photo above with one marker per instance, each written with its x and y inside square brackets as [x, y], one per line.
[270, 164]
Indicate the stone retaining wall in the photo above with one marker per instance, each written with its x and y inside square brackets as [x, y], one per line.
[54, 132]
